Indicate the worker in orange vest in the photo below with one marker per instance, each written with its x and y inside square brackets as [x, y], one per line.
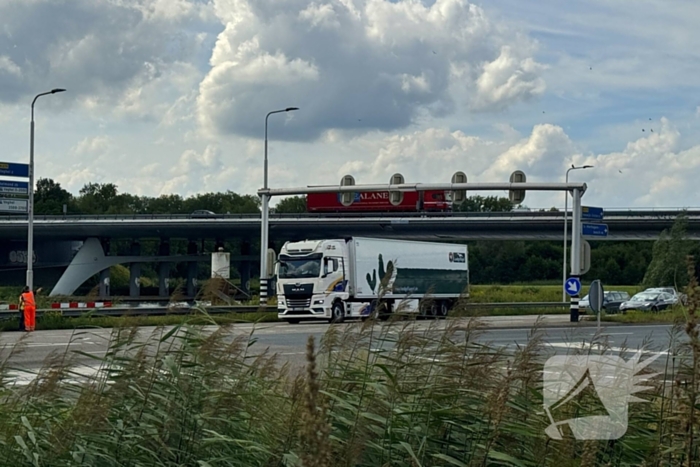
[28, 304]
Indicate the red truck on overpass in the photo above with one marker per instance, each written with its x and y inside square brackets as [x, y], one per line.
[373, 201]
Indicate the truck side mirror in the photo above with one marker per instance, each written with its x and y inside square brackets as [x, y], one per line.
[325, 268]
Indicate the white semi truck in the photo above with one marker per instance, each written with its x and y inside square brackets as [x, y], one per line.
[342, 278]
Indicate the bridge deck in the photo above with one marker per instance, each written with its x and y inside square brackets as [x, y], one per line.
[547, 225]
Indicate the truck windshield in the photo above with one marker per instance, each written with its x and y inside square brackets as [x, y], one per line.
[296, 268]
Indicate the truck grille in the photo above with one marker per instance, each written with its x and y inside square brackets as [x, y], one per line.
[298, 303]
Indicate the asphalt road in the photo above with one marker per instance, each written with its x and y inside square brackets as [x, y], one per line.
[289, 341]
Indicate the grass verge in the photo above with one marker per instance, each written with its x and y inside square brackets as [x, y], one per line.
[674, 315]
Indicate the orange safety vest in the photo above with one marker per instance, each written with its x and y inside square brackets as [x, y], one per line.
[28, 299]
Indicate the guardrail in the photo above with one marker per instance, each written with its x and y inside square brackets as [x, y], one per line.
[180, 310]
[609, 212]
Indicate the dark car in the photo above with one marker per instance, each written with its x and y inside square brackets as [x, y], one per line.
[612, 299]
[203, 213]
[649, 301]
[683, 298]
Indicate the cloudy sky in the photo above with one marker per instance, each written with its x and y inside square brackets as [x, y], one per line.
[170, 96]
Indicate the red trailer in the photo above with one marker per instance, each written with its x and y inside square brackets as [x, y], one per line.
[373, 201]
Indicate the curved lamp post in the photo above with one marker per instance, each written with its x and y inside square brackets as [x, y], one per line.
[30, 203]
[265, 218]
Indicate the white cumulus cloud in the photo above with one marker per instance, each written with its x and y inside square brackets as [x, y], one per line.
[359, 65]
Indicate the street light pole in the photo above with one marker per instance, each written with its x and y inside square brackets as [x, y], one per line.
[30, 201]
[264, 221]
[566, 210]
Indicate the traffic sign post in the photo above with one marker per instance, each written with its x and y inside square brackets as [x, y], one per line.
[458, 196]
[572, 286]
[346, 198]
[13, 205]
[12, 169]
[14, 188]
[585, 257]
[396, 197]
[596, 295]
[517, 196]
[594, 230]
[517, 188]
[591, 213]
[576, 257]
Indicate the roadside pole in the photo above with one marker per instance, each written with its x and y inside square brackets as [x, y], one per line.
[575, 253]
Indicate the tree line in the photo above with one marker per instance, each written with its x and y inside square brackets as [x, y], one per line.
[491, 262]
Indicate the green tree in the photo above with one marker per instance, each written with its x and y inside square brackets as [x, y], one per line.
[223, 203]
[291, 205]
[668, 263]
[164, 204]
[98, 198]
[49, 197]
[479, 203]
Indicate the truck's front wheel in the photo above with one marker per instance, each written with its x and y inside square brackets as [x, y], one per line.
[337, 313]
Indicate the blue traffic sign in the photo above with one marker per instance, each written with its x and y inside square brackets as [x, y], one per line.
[572, 286]
[12, 169]
[594, 230]
[14, 188]
[588, 212]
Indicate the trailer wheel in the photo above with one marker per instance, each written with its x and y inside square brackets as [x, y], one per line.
[337, 313]
[434, 310]
[444, 309]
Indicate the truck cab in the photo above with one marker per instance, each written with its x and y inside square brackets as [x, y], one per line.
[312, 280]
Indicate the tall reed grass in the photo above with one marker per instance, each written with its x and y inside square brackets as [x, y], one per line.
[368, 394]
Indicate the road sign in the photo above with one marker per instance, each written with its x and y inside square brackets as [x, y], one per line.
[591, 213]
[14, 188]
[396, 197]
[585, 257]
[595, 296]
[459, 196]
[13, 205]
[12, 169]
[572, 286]
[517, 196]
[346, 198]
[594, 230]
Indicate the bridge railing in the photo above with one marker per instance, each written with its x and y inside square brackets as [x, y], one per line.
[609, 213]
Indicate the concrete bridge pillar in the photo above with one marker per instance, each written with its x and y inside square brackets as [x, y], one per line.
[163, 269]
[135, 272]
[191, 270]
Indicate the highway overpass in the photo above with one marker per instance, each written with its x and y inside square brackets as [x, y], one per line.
[519, 225]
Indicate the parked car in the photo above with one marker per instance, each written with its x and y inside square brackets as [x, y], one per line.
[683, 298]
[649, 301]
[612, 299]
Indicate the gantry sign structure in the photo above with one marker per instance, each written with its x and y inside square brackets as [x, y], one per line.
[458, 187]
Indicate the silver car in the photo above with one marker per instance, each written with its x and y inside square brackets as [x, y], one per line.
[649, 301]
[683, 298]
[612, 299]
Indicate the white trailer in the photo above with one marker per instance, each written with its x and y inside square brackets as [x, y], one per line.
[348, 278]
